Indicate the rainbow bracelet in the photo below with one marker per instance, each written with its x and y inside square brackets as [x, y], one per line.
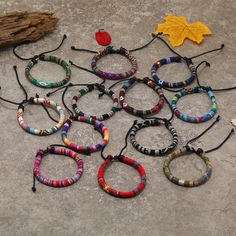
[99, 126]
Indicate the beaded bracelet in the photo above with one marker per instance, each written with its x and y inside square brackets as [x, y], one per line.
[99, 126]
[149, 151]
[150, 84]
[117, 193]
[60, 151]
[44, 84]
[41, 132]
[188, 91]
[109, 75]
[182, 182]
[102, 89]
[169, 60]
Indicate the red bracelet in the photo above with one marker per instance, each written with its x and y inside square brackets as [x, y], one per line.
[117, 193]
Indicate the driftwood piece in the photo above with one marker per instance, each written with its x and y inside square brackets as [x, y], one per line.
[19, 27]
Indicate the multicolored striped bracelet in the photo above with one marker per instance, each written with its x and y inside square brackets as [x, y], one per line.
[59, 151]
[150, 84]
[169, 60]
[109, 75]
[182, 182]
[44, 84]
[189, 91]
[149, 151]
[102, 89]
[99, 126]
[117, 193]
[41, 132]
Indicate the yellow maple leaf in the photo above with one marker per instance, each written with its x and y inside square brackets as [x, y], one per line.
[179, 29]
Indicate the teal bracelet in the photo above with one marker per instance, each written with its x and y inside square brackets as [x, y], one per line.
[44, 84]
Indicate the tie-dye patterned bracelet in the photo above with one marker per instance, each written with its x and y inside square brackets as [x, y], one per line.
[109, 75]
[149, 151]
[169, 60]
[182, 182]
[59, 151]
[99, 126]
[44, 84]
[41, 132]
[117, 193]
[188, 91]
[102, 89]
[150, 84]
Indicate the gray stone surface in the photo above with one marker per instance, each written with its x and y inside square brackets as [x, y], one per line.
[163, 208]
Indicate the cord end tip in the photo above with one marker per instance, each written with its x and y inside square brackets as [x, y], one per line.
[218, 118]
[34, 189]
[48, 94]
[71, 62]
[232, 130]
[72, 47]
[64, 36]
[208, 64]
[15, 67]
[222, 46]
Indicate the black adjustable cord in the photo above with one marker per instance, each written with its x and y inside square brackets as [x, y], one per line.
[228, 136]
[214, 90]
[200, 135]
[36, 56]
[82, 50]
[125, 146]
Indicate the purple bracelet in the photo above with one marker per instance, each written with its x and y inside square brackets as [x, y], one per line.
[109, 75]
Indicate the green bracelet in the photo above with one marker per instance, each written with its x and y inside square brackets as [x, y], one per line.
[44, 84]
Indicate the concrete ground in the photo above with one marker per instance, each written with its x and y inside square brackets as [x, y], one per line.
[162, 208]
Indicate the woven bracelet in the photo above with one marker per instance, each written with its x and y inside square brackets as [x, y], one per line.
[149, 151]
[41, 132]
[183, 182]
[44, 84]
[189, 91]
[169, 60]
[150, 84]
[59, 151]
[99, 126]
[109, 75]
[102, 89]
[117, 193]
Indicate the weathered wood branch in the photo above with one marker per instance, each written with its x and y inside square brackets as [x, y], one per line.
[18, 27]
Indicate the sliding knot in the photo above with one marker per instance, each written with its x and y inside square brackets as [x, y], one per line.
[199, 151]
[122, 51]
[90, 87]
